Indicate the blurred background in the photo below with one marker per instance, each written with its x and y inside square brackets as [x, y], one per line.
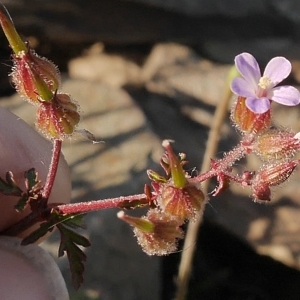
[147, 70]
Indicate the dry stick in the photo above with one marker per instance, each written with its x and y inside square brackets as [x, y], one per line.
[193, 228]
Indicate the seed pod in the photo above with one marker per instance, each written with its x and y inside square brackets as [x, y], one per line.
[157, 232]
[185, 203]
[58, 119]
[35, 78]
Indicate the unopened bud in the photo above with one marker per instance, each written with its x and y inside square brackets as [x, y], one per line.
[157, 232]
[276, 144]
[247, 121]
[58, 119]
[271, 175]
[275, 174]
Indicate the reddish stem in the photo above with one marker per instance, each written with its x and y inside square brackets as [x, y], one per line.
[84, 207]
[52, 169]
[221, 165]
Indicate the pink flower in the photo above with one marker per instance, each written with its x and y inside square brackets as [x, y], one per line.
[259, 90]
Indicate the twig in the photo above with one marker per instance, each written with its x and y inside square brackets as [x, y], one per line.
[193, 228]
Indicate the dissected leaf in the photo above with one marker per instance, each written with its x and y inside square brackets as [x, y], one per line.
[31, 179]
[69, 244]
[40, 232]
[33, 188]
[9, 187]
[20, 206]
[74, 221]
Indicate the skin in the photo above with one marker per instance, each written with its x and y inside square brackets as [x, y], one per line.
[28, 273]
[21, 149]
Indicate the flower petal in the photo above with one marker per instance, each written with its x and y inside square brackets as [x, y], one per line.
[241, 87]
[286, 95]
[258, 106]
[248, 68]
[278, 69]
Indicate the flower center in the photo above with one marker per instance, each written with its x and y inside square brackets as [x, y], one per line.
[264, 82]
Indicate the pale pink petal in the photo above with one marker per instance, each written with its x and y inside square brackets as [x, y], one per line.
[241, 87]
[258, 106]
[278, 69]
[248, 68]
[286, 95]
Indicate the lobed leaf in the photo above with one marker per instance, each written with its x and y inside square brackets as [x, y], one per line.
[69, 244]
[10, 187]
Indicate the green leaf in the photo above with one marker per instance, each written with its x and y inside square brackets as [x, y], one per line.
[9, 187]
[69, 244]
[40, 232]
[74, 221]
[31, 179]
[20, 206]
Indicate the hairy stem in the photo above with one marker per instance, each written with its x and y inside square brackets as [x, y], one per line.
[52, 169]
[84, 207]
[221, 165]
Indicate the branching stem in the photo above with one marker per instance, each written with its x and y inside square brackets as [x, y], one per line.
[84, 207]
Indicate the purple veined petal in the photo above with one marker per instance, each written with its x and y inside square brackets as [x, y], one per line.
[241, 87]
[277, 69]
[258, 105]
[286, 95]
[248, 68]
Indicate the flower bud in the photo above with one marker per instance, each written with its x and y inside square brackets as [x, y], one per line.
[247, 121]
[157, 232]
[57, 119]
[275, 174]
[35, 78]
[271, 175]
[276, 144]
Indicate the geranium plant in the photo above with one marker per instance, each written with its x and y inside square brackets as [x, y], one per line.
[172, 198]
